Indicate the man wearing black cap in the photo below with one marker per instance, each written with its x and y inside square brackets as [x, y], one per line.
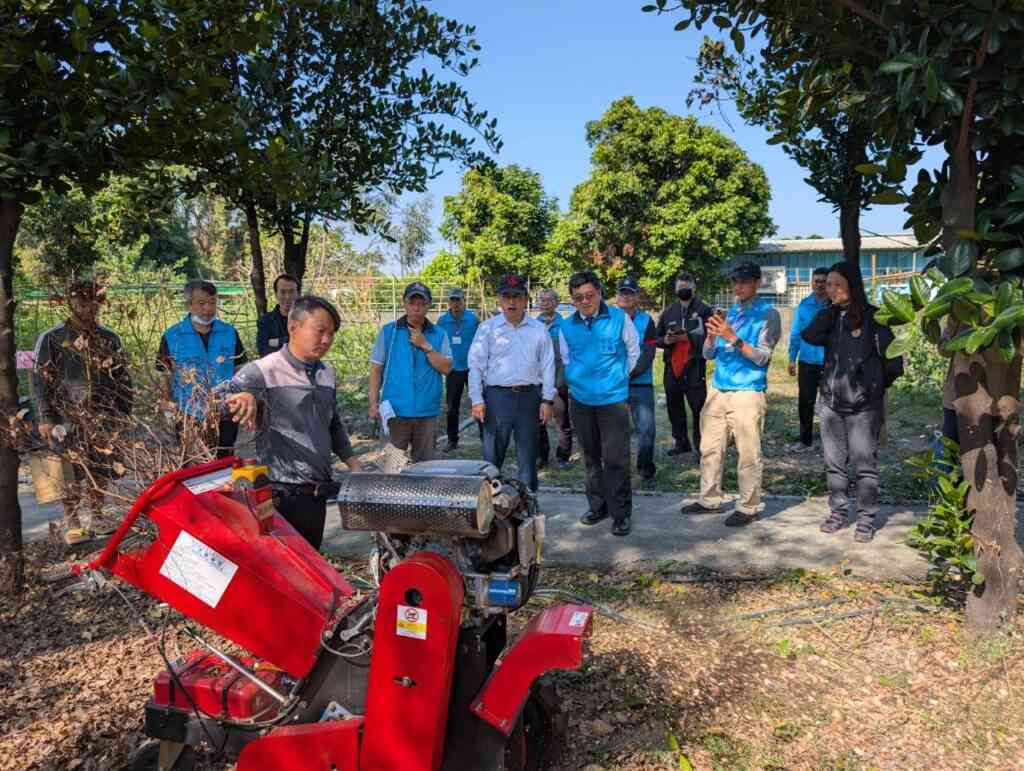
[84, 397]
[407, 366]
[741, 344]
[460, 325]
[681, 334]
[512, 380]
[641, 378]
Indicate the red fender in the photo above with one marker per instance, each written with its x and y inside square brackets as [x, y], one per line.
[330, 746]
[552, 640]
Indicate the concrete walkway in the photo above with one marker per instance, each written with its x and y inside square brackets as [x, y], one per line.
[785, 537]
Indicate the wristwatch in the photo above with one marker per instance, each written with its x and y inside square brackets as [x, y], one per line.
[428, 349]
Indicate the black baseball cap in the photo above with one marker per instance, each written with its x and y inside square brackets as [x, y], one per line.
[511, 284]
[416, 288]
[745, 270]
[629, 285]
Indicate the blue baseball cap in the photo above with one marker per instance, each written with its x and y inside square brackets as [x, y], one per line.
[629, 285]
[416, 288]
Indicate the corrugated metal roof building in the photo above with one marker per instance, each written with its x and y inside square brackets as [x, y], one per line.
[799, 257]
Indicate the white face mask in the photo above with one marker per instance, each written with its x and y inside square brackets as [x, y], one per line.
[203, 322]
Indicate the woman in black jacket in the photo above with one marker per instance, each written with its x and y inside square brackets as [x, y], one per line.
[853, 385]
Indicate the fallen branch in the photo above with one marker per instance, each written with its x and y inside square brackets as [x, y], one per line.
[707, 579]
[851, 614]
[791, 608]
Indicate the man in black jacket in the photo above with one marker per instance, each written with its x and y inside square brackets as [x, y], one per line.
[681, 336]
[272, 327]
[84, 400]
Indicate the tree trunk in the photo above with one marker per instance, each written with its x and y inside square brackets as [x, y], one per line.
[987, 388]
[986, 403]
[257, 276]
[11, 559]
[295, 251]
[849, 229]
[855, 153]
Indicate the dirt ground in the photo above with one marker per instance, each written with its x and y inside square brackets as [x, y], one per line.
[720, 684]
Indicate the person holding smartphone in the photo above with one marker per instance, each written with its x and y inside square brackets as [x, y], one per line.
[680, 335]
[741, 342]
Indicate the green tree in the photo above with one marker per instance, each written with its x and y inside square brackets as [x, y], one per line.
[87, 90]
[953, 73]
[414, 233]
[833, 140]
[500, 220]
[665, 193]
[67, 234]
[337, 106]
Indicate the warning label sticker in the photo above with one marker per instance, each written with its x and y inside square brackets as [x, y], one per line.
[578, 618]
[412, 622]
[198, 569]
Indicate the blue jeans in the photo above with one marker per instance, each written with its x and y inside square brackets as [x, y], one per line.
[513, 413]
[641, 407]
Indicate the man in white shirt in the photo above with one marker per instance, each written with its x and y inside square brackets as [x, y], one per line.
[512, 380]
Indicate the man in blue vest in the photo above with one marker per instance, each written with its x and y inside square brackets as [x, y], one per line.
[198, 354]
[741, 343]
[811, 358]
[407, 364]
[599, 347]
[641, 379]
[460, 325]
[512, 380]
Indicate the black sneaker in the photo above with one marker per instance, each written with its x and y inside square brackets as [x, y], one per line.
[542, 463]
[593, 517]
[647, 474]
[680, 450]
[865, 531]
[450, 446]
[739, 519]
[622, 526]
[697, 508]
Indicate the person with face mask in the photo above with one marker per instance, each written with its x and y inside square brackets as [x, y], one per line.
[198, 354]
[84, 394]
[680, 334]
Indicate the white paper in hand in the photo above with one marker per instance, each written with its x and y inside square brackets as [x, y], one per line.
[386, 413]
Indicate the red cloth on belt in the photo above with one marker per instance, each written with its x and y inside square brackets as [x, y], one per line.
[680, 355]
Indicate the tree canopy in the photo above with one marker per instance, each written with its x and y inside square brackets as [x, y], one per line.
[500, 220]
[952, 73]
[665, 193]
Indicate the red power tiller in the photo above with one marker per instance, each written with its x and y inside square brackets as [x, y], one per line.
[414, 673]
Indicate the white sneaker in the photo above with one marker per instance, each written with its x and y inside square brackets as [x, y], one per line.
[798, 447]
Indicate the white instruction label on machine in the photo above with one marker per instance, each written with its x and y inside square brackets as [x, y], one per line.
[579, 618]
[412, 622]
[198, 569]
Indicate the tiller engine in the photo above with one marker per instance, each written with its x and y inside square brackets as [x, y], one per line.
[413, 672]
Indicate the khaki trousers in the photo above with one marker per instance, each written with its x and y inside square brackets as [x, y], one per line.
[739, 414]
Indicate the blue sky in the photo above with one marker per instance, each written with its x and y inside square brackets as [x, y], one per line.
[549, 66]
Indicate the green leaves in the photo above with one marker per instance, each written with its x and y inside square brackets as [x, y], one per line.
[898, 306]
[81, 14]
[960, 259]
[1010, 259]
[918, 292]
[890, 196]
[901, 63]
[900, 345]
